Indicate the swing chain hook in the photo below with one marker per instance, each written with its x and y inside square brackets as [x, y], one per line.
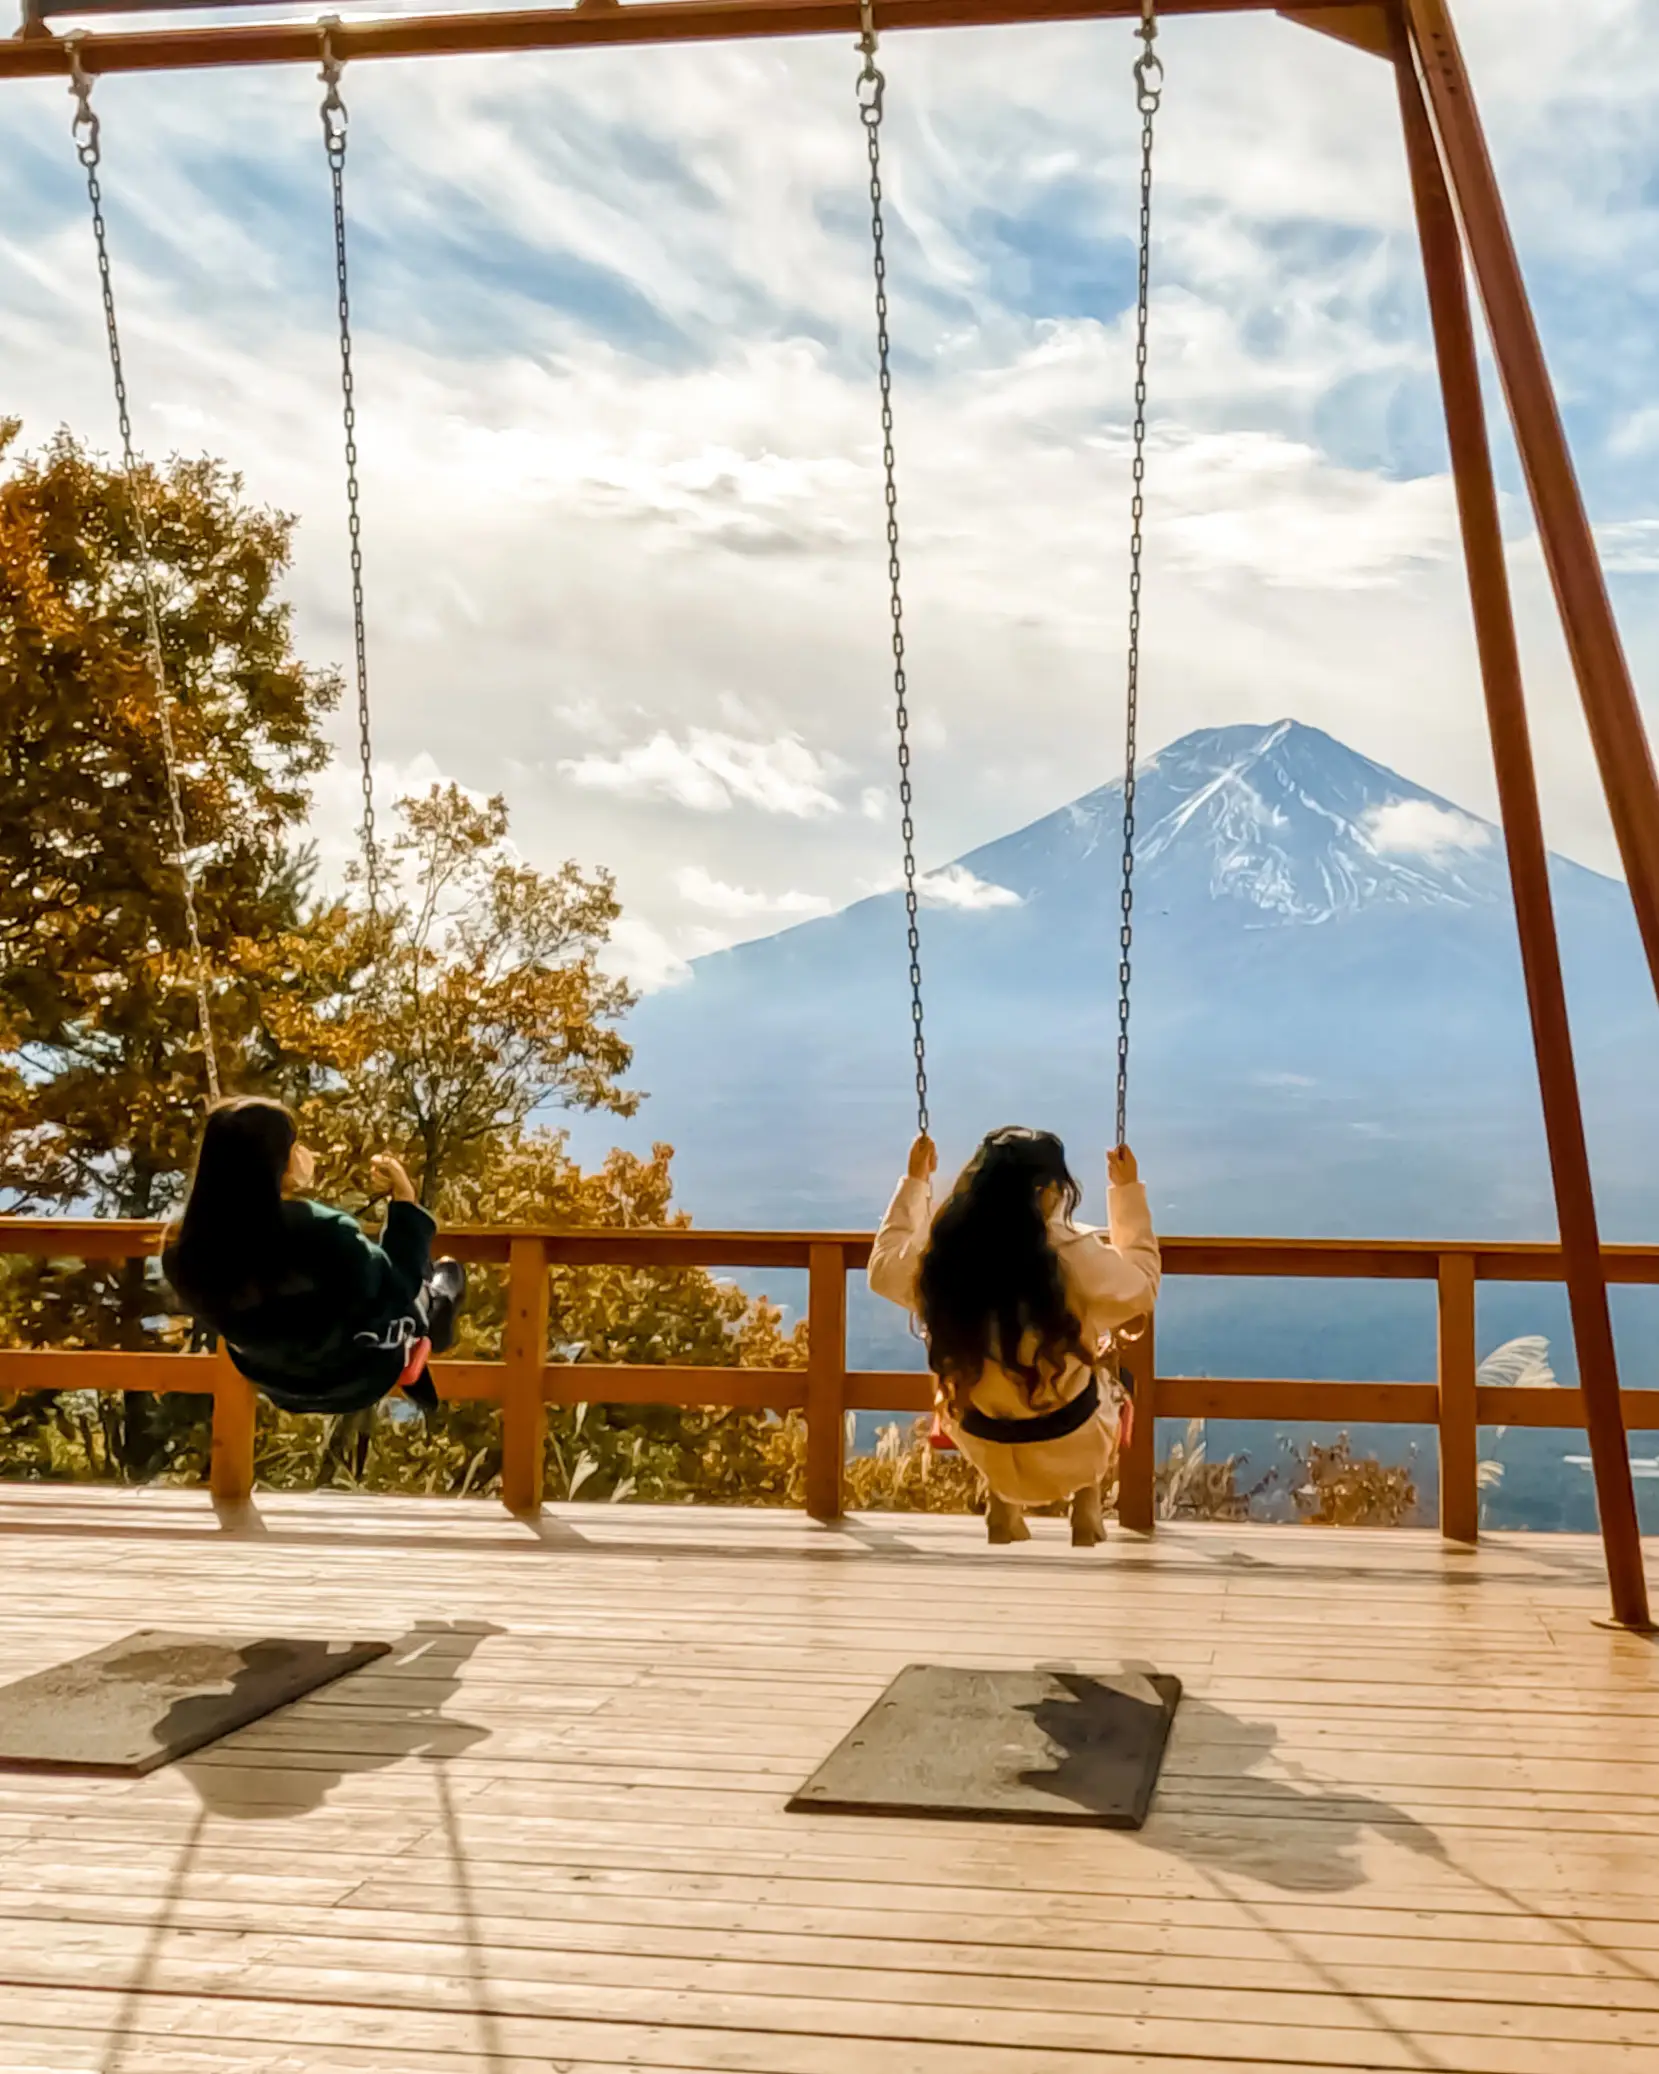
[87, 134]
[872, 81]
[85, 126]
[333, 107]
[1149, 81]
[1149, 67]
[335, 125]
[871, 102]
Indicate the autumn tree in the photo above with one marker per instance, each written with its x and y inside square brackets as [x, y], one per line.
[470, 1008]
[103, 1083]
[487, 1010]
[481, 1003]
[97, 1009]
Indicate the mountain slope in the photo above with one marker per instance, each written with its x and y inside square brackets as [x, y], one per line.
[1329, 1039]
[1325, 972]
[1281, 819]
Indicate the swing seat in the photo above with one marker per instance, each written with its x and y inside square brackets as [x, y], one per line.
[415, 1367]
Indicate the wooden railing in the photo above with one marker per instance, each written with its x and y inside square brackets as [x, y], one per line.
[526, 1382]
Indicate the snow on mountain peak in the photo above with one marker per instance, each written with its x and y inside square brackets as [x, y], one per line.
[1280, 819]
[1294, 824]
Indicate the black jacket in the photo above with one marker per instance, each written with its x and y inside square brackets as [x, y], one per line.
[302, 1345]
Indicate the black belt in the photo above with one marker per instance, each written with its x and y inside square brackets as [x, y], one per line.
[1048, 1425]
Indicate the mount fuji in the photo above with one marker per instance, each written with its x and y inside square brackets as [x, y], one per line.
[1329, 1039]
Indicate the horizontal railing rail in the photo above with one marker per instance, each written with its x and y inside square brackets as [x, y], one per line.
[525, 1381]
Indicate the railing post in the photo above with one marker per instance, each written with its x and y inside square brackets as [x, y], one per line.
[524, 1355]
[235, 1407]
[826, 1381]
[1138, 1462]
[1459, 1448]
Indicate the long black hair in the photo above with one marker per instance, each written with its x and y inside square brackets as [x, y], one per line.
[227, 1251]
[989, 1277]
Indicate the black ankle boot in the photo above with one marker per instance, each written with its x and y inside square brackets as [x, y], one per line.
[446, 1290]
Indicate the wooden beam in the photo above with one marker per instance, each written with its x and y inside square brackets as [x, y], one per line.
[79, 1368]
[1138, 1462]
[692, 1248]
[600, 1382]
[585, 26]
[80, 1238]
[1619, 738]
[1458, 1449]
[523, 1408]
[888, 1389]
[826, 1383]
[1340, 1260]
[1626, 1266]
[1297, 1403]
[235, 1419]
[1500, 666]
[1359, 1260]
[1558, 1411]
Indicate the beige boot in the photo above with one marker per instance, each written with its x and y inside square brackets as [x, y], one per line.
[1004, 1521]
[1088, 1524]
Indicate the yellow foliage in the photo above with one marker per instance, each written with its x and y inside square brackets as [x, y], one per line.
[1336, 1488]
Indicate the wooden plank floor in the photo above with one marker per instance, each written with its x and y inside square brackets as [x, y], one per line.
[1409, 1819]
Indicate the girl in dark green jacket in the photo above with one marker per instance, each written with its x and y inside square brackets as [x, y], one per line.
[312, 1311]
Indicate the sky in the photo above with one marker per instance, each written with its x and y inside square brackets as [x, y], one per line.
[618, 416]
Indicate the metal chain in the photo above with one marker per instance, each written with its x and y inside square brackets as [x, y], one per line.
[335, 123]
[1149, 80]
[871, 90]
[85, 130]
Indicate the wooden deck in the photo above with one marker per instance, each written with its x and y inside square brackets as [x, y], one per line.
[1410, 1818]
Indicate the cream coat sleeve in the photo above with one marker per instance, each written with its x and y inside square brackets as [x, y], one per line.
[896, 1256]
[1113, 1276]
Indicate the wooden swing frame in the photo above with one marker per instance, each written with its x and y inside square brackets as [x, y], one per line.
[1461, 223]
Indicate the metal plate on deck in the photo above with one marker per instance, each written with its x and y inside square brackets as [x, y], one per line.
[1004, 1746]
[153, 1697]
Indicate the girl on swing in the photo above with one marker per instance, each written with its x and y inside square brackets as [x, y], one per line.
[312, 1311]
[1019, 1306]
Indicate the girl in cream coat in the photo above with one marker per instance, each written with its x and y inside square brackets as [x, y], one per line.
[1020, 1307]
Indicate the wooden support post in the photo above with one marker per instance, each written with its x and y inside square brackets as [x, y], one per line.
[1459, 1448]
[235, 1407]
[524, 1352]
[1500, 665]
[1617, 733]
[1138, 1463]
[826, 1381]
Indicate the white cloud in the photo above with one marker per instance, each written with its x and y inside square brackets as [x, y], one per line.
[701, 889]
[337, 803]
[1419, 828]
[1630, 547]
[1638, 433]
[957, 887]
[711, 772]
[588, 717]
[640, 953]
[1259, 505]
[617, 412]
[738, 714]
